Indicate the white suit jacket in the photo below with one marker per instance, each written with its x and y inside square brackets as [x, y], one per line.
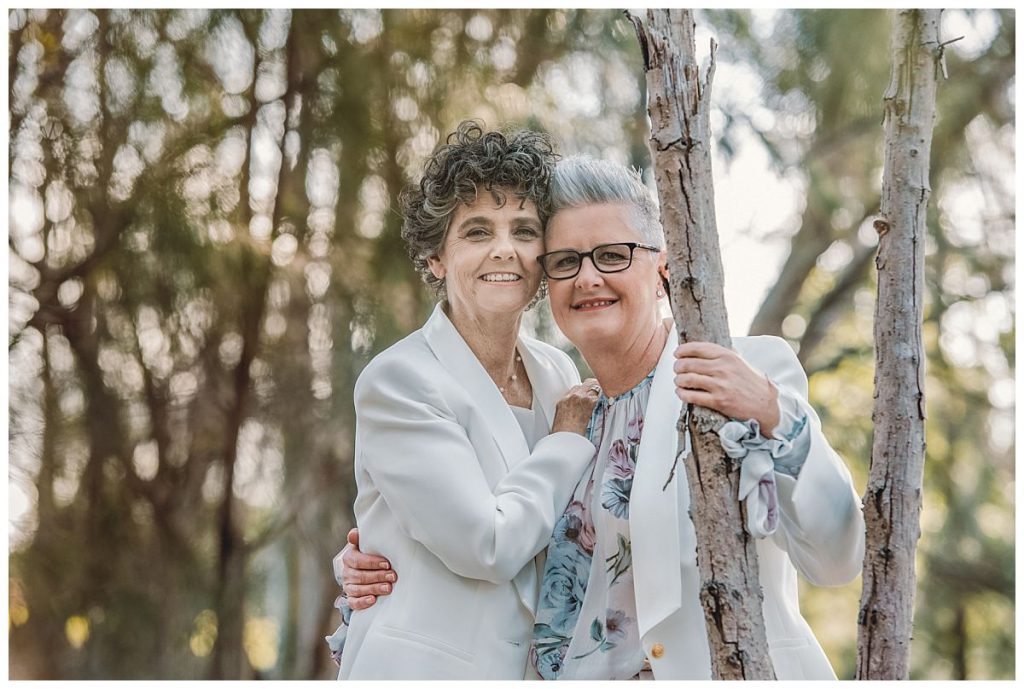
[450, 493]
[820, 533]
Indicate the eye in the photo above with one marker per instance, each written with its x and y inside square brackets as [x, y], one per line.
[527, 232]
[613, 255]
[476, 233]
[566, 260]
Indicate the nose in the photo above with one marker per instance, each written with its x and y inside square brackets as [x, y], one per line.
[502, 249]
[589, 275]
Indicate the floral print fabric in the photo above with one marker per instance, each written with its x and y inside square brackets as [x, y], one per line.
[586, 625]
[586, 617]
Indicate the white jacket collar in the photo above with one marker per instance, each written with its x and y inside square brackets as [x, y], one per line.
[460, 361]
[657, 501]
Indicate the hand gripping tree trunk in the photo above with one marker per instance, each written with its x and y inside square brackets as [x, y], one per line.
[679, 106]
[892, 503]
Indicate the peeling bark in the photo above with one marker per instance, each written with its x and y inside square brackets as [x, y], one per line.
[679, 106]
[892, 503]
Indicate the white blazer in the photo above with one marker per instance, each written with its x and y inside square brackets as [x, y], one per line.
[450, 493]
[820, 533]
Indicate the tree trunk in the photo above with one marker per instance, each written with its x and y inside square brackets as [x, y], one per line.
[679, 107]
[228, 659]
[892, 503]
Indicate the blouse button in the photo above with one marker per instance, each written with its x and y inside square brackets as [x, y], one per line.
[657, 651]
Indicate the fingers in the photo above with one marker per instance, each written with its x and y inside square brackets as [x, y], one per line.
[588, 391]
[697, 381]
[353, 537]
[363, 576]
[366, 590]
[356, 560]
[701, 350]
[361, 603]
[698, 397]
[705, 367]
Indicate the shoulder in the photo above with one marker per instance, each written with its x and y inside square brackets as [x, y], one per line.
[763, 345]
[774, 356]
[401, 368]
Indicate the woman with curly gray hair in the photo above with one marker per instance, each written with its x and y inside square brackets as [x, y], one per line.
[469, 436]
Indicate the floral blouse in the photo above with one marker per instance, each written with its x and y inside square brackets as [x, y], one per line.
[586, 625]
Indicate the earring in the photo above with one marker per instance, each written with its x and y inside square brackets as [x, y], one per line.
[660, 293]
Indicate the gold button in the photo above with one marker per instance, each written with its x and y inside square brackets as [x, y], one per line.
[657, 650]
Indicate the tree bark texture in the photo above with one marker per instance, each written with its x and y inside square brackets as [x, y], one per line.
[892, 503]
[679, 107]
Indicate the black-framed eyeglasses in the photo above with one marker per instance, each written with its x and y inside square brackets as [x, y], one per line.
[607, 258]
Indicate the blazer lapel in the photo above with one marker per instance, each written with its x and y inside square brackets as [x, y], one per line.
[458, 359]
[654, 521]
[548, 386]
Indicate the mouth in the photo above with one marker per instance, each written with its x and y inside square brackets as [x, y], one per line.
[593, 304]
[501, 277]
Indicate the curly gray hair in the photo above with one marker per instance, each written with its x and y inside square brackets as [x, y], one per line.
[470, 160]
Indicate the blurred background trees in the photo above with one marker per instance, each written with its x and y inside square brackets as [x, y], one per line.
[204, 253]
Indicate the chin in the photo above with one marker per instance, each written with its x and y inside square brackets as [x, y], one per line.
[595, 332]
[508, 305]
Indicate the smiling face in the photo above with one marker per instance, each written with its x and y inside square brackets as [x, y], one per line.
[489, 257]
[602, 310]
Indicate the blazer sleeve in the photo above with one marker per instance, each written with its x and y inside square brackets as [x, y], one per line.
[421, 460]
[821, 523]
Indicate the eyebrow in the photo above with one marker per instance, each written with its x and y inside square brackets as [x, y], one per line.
[485, 220]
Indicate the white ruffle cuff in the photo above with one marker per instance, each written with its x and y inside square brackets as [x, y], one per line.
[761, 457]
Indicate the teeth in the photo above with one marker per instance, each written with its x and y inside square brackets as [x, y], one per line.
[501, 277]
[595, 303]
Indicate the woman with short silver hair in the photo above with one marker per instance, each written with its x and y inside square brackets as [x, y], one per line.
[620, 590]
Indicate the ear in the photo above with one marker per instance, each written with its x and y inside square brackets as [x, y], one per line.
[436, 267]
[663, 266]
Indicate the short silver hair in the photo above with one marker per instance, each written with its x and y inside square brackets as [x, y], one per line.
[582, 180]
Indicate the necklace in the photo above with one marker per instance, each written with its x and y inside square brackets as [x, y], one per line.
[512, 378]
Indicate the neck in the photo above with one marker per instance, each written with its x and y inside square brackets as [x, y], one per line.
[491, 337]
[620, 365]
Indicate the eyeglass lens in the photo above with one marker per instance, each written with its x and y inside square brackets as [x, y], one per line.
[610, 258]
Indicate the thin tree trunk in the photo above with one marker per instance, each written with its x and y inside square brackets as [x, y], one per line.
[46, 508]
[228, 659]
[679, 106]
[892, 503]
[960, 641]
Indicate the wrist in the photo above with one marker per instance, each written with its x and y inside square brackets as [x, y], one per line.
[770, 416]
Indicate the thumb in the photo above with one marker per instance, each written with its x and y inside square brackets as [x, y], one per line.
[353, 537]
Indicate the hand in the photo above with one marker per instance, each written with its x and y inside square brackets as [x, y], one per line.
[718, 378]
[573, 411]
[362, 577]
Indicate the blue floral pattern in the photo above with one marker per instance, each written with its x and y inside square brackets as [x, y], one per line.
[587, 628]
[586, 624]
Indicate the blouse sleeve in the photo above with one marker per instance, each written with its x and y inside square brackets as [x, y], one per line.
[336, 641]
[785, 453]
[817, 512]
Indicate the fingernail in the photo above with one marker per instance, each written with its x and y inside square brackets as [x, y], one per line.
[390, 576]
[383, 565]
[385, 588]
